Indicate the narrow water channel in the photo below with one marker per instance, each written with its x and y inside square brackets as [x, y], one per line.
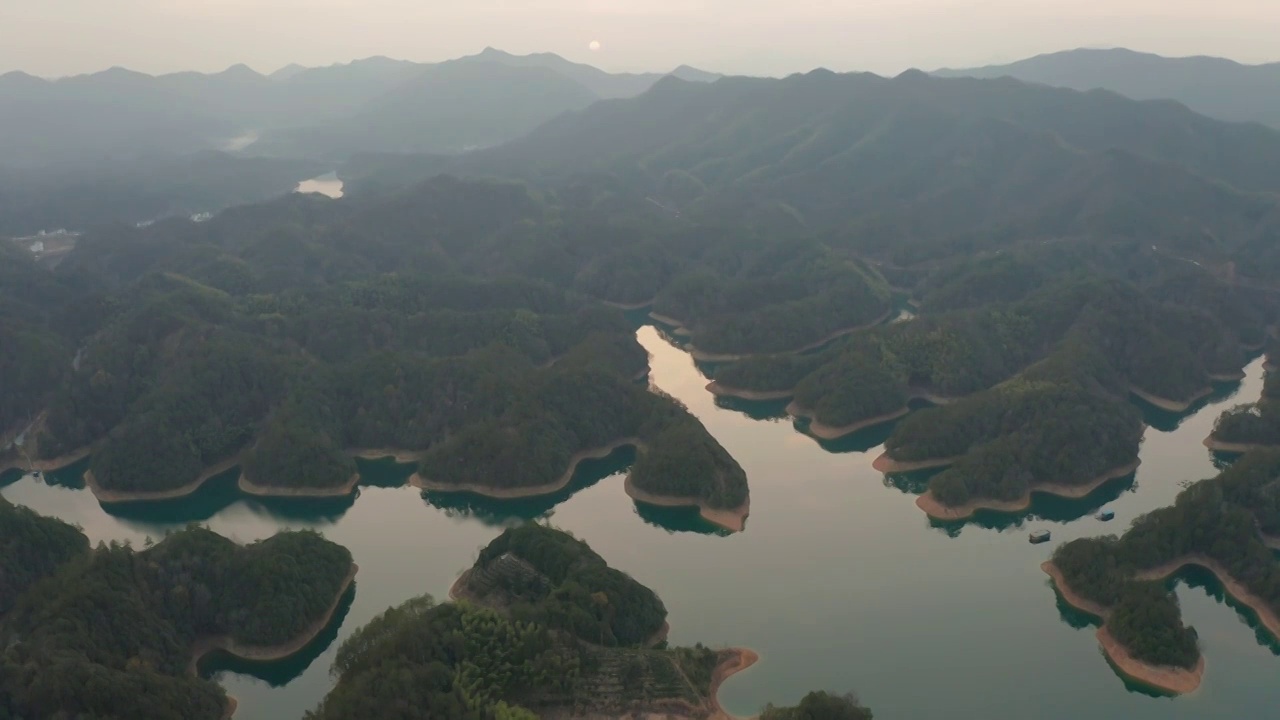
[839, 581]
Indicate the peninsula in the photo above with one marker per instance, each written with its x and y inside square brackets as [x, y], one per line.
[192, 593]
[1220, 525]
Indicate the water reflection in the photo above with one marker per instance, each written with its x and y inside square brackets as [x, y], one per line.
[762, 410]
[1195, 577]
[1166, 421]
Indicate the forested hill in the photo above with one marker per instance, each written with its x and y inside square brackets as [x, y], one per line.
[1214, 86]
[310, 112]
[112, 633]
[908, 168]
[281, 337]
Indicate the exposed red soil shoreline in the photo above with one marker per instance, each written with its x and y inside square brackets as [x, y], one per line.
[1217, 445]
[107, 496]
[1266, 615]
[737, 660]
[418, 481]
[1169, 679]
[721, 390]
[828, 432]
[1176, 406]
[267, 653]
[248, 487]
[400, 456]
[888, 465]
[21, 463]
[731, 519]
[935, 509]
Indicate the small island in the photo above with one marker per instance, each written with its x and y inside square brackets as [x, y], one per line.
[542, 626]
[169, 605]
[1221, 525]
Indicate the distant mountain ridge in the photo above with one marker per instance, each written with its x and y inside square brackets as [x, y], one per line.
[1217, 87]
[902, 165]
[119, 113]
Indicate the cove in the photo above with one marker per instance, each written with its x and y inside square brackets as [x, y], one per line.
[839, 581]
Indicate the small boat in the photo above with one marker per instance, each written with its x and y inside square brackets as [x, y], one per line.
[1040, 536]
[1106, 515]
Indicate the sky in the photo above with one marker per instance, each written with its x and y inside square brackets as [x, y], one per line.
[764, 37]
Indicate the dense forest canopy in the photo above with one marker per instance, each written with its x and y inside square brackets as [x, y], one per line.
[545, 576]
[1255, 423]
[111, 633]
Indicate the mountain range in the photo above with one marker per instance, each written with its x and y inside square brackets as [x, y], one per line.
[899, 167]
[1217, 87]
[376, 104]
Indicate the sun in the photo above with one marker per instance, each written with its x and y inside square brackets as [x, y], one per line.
[594, 46]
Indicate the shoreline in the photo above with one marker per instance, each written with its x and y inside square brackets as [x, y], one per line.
[1267, 616]
[822, 431]
[402, 457]
[888, 465]
[1227, 377]
[1174, 406]
[731, 519]
[271, 653]
[43, 466]
[719, 390]
[416, 480]
[1177, 681]
[248, 487]
[629, 306]
[455, 590]
[936, 510]
[703, 356]
[1174, 680]
[736, 660]
[667, 320]
[1223, 446]
[107, 496]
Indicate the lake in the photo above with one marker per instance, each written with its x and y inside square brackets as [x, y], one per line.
[327, 184]
[839, 581]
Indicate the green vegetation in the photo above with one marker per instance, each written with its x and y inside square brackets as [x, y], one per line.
[547, 625]
[31, 548]
[271, 337]
[111, 633]
[1044, 368]
[820, 706]
[1222, 519]
[782, 296]
[1253, 424]
[549, 578]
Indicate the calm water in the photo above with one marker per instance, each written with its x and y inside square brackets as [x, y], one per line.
[839, 581]
[327, 184]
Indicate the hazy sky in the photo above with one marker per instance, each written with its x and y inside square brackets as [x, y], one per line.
[59, 37]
